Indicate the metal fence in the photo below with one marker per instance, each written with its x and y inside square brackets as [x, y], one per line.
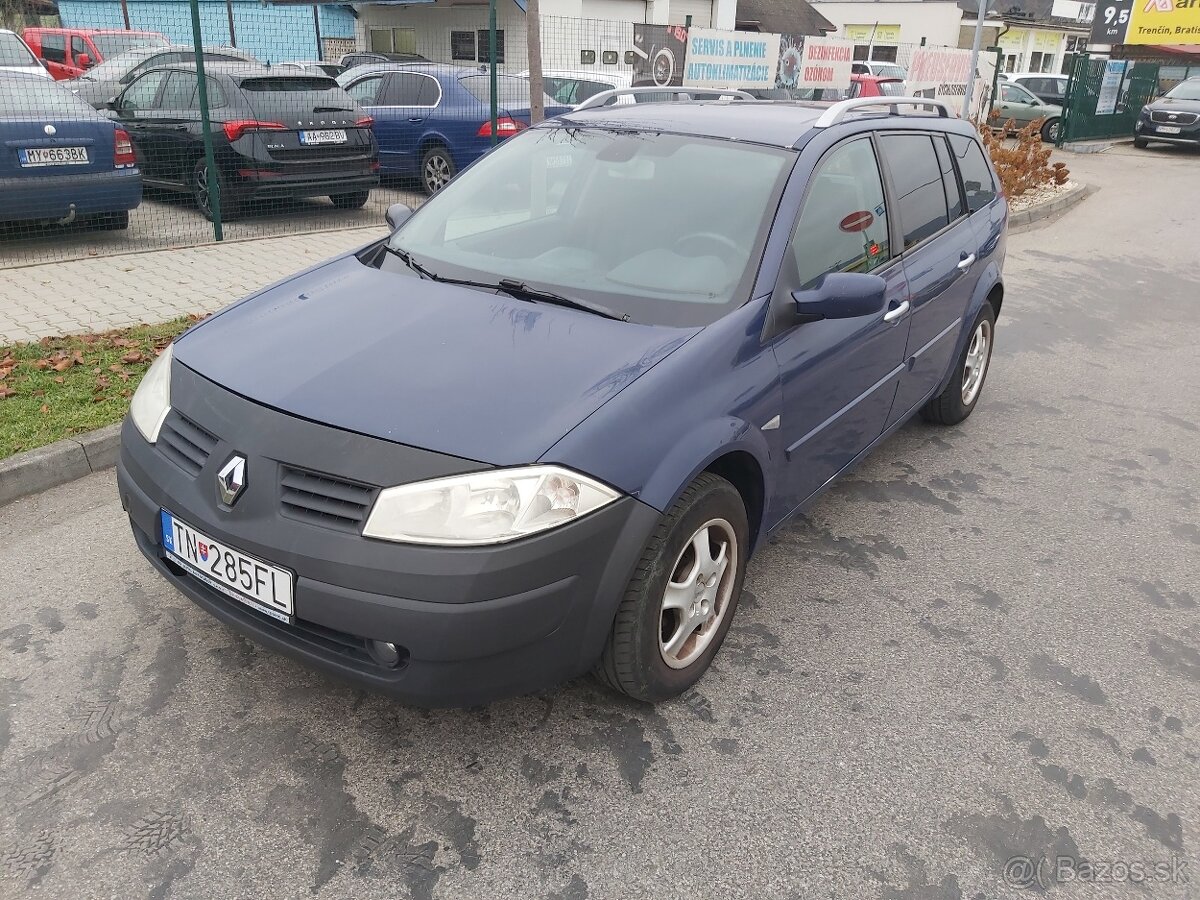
[1101, 103]
[170, 123]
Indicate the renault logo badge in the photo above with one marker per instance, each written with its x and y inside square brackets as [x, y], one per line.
[231, 480]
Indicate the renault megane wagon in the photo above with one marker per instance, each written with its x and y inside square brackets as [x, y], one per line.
[540, 429]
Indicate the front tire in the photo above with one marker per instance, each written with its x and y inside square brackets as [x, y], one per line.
[681, 599]
[356, 200]
[1050, 131]
[1141, 143]
[437, 168]
[957, 401]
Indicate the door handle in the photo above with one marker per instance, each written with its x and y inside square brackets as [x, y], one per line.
[893, 314]
[967, 261]
[415, 119]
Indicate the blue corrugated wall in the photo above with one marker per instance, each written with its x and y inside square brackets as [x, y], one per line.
[271, 33]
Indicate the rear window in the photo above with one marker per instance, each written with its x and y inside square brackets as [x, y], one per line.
[299, 95]
[510, 90]
[112, 44]
[13, 52]
[289, 85]
[23, 95]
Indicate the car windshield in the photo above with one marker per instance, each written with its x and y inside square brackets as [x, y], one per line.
[891, 88]
[1185, 90]
[22, 95]
[111, 45]
[664, 228]
[13, 51]
[889, 71]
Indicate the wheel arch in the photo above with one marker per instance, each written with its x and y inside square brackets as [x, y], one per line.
[742, 470]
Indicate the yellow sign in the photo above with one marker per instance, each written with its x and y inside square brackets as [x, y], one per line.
[1013, 39]
[872, 34]
[1164, 22]
[1047, 41]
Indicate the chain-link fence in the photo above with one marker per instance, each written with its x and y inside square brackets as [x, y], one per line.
[295, 117]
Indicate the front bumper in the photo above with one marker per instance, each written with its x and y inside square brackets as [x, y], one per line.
[476, 624]
[39, 197]
[1152, 131]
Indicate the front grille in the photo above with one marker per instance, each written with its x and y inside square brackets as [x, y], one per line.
[185, 443]
[1161, 117]
[323, 499]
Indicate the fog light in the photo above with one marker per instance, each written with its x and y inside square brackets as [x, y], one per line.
[386, 653]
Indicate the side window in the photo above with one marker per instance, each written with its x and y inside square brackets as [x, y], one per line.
[54, 48]
[954, 200]
[364, 91]
[918, 182]
[1013, 94]
[408, 89]
[977, 180]
[139, 96]
[78, 46]
[180, 92]
[843, 226]
[216, 96]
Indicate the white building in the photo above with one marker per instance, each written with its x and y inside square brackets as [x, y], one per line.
[885, 30]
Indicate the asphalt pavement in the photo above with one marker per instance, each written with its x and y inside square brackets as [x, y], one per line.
[980, 652]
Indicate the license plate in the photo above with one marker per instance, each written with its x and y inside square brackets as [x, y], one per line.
[1169, 129]
[334, 136]
[262, 587]
[53, 156]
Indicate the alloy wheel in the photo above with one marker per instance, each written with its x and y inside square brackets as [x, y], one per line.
[698, 593]
[437, 172]
[975, 365]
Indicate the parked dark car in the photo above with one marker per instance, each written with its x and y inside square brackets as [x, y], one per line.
[366, 58]
[540, 428]
[275, 134]
[1173, 118]
[432, 120]
[1047, 88]
[60, 160]
[103, 82]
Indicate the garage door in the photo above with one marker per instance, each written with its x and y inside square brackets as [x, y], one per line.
[700, 10]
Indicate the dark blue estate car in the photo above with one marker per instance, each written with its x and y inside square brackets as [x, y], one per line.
[540, 429]
[60, 160]
[432, 120]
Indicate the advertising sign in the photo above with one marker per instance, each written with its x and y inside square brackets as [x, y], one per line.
[659, 52]
[730, 59]
[944, 73]
[1164, 22]
[1110, 87]
[825, 63]
[1111, 21]
[872, 34]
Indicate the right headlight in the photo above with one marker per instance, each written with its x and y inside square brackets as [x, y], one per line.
[490, 507]
[152, 399]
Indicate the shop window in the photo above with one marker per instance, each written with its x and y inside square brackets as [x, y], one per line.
[484, 46]
[462, 45]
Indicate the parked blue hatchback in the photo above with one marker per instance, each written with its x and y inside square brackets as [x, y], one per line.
[540, 429]
[60, 160]
[433, 120]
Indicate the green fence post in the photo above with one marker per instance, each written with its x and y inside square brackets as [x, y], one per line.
[494, 86]
[210, 163]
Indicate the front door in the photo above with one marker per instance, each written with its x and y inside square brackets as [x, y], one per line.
[939, 252]
[135, 110]
[838, 376]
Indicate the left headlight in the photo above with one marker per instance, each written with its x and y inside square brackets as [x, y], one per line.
[152, 400]
[485, 507]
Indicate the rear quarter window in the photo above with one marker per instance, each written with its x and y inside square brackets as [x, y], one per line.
[978, 182]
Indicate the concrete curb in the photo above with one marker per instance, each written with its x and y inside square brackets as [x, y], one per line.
[68, 459]
[1046, 210]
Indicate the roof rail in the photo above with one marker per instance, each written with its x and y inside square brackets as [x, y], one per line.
[837, 112]
[605, 98]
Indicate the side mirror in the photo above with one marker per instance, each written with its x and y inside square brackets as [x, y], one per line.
[841, 295]
[83, 61]
[397, 214]
[111, 103]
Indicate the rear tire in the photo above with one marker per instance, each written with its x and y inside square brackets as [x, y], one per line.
[356, 200]
[681, 599]
[1141, 143]
[957, 401]
[437, 168]
[230, 205]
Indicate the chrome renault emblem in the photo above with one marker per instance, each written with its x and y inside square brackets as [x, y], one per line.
[231, 480]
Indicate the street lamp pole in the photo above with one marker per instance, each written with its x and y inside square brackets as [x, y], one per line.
[975, 45]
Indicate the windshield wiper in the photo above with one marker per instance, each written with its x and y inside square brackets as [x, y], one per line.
[510, 286]
[321, 109]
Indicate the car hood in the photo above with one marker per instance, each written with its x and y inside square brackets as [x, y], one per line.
[1170, 104]
[467, 372]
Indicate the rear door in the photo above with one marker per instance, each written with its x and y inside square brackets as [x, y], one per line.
[939, 255]
[407, 101]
